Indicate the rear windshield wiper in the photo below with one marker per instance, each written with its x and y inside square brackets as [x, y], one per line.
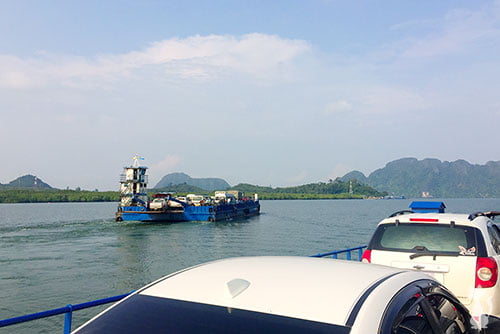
[433, 254]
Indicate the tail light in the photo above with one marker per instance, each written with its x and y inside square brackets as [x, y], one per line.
[486, 272]
[425, 220]
[367, 256]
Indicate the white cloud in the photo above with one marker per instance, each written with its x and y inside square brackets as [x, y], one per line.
[378, 100]
[387, 100]
[414, 24]
[165, 166]
[336, 107]
[256, 55]
[459, 31]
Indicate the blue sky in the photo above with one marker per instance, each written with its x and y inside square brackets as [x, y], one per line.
[265, 92]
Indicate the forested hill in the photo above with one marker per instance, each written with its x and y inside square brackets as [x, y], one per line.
[331, 189]
[26, 182]
[337, 187]
[411, 177]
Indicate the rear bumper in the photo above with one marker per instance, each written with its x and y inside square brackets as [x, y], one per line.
[486, 301]
[485, 307]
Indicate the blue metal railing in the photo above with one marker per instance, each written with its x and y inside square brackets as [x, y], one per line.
[346, 251]
[69, 309]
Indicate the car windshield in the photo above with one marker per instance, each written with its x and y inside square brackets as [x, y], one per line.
[426, 237]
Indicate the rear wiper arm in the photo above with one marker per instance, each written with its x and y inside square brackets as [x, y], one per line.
[433, 254]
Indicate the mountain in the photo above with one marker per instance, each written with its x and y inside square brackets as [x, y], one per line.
[183, 188]
[412, 177]
[210, 184]
[355, 175]
[26, 181]
[182, 183]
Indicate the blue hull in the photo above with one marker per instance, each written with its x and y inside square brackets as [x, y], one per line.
[190, 213]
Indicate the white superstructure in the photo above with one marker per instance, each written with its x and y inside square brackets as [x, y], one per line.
[133, 183]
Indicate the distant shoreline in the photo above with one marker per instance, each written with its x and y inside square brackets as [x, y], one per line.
[12, 196]
[56, 196]
[73, 196]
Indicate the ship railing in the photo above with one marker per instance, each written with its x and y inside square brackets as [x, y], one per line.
[138, 178]
[344, 253]
[66, 310]
[69, 309]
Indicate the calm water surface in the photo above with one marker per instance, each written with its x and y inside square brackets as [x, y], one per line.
[53, 254]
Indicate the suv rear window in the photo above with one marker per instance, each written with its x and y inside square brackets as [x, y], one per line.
[434, 237]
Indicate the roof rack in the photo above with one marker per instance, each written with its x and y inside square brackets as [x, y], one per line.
[399, 213]
[489, 214]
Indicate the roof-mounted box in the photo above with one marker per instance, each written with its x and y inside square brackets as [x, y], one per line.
[423, 207]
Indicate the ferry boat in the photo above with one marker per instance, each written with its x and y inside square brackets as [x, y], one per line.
[135, 204]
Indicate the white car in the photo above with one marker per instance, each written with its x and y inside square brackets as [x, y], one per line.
[461, 251]
[287, 295]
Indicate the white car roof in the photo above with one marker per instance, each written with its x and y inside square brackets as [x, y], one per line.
[315, 289]
[443, 218]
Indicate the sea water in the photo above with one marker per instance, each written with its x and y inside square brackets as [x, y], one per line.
[53, 254]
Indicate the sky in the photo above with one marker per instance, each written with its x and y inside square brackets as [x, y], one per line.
[272, 93]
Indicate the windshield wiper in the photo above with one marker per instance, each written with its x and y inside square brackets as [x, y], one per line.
[433, 254]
